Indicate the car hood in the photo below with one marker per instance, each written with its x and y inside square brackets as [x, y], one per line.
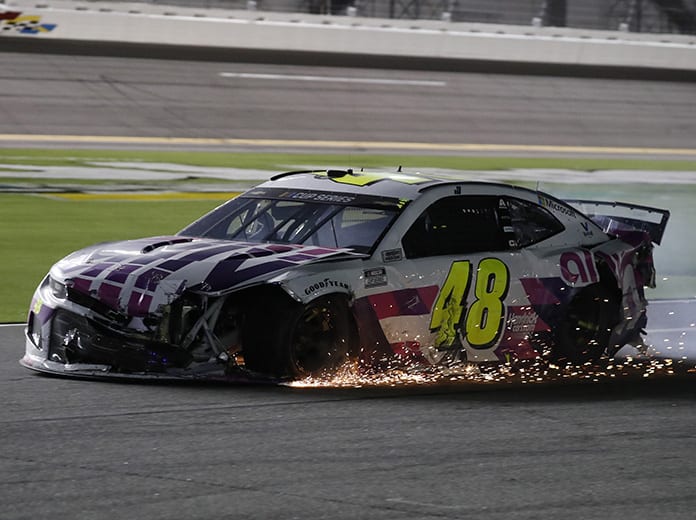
[137, 277]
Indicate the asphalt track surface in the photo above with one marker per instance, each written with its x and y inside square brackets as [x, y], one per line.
[75, 449]
[113, 96]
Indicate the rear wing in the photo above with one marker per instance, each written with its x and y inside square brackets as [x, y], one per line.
[617, 217]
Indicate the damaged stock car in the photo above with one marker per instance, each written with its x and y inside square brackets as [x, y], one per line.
[312, 270]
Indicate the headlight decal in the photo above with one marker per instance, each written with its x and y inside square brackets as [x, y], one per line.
[58, 289]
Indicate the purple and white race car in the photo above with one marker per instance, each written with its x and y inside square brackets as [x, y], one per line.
[312, 270]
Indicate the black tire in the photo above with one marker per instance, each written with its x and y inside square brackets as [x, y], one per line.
[300, 340]
[584, 331]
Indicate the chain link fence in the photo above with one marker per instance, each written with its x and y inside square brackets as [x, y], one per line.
[652, 16]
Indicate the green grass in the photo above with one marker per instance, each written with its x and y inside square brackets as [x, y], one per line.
[37, 231]
[70, 184]
[282, 161]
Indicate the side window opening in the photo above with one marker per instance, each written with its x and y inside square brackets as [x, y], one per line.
[531, 223]
[459, 225]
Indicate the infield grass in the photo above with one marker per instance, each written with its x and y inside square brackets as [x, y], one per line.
[36, 230]
[277, 162]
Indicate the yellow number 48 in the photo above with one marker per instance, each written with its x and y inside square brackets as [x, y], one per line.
[485, 317]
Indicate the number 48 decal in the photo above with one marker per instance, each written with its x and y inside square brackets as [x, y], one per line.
[485, 318]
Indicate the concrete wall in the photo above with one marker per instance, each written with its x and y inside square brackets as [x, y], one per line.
[166, 25]
[588, 14]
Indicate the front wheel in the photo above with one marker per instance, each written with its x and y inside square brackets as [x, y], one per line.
[301, 340]
[585, 329]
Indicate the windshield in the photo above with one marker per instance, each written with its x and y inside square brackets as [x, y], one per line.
[300, 217]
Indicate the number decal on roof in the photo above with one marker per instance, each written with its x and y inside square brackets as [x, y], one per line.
[365, 179]
[485, 318]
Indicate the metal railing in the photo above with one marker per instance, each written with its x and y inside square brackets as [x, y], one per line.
[653, 16]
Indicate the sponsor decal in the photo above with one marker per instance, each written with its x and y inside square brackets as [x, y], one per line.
[324, 284]
[328, 197]
[15, 21]
[557, 206]
[523, 322]
[578, 266]
[376, 277]
[392, 255]
[525, 334]
[318, 197]
[587, 230]
[629, 279]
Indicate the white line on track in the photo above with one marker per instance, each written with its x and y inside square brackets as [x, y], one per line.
[12, 325]
[334, 79]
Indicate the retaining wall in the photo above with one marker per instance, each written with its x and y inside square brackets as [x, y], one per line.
[249, 30]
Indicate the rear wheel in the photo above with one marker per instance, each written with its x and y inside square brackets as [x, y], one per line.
[585, 329]
[300, 340]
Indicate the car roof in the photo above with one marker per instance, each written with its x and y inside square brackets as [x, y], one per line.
[407, 186]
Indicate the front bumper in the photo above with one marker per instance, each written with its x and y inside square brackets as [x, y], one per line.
[36, 361]
[63, 343]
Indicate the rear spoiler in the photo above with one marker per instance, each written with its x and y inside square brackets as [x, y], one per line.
[615, 217]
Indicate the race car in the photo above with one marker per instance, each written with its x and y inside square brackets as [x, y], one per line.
[312, 270]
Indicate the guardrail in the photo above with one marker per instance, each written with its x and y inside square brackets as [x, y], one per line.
[297, 32]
